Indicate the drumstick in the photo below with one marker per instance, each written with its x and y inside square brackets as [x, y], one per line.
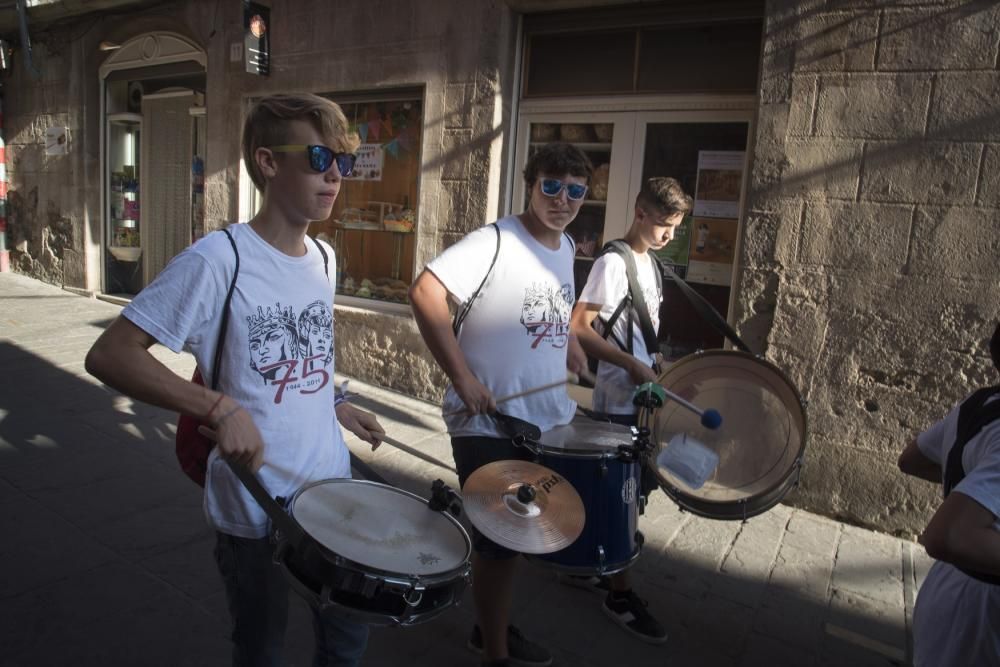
[571, 378]
[710, 417]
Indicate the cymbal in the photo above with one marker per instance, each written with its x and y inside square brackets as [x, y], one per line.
[523, 506]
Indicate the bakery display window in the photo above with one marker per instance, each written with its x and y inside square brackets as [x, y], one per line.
[373, 224]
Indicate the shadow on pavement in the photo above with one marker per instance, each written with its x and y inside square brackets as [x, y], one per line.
[106, 560]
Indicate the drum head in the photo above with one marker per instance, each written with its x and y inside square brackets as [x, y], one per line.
[584, 435]
[759, 444]
[381, 527]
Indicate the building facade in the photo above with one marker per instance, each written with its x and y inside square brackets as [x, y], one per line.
[843, 155]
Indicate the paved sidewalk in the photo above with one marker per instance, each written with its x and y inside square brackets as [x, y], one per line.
[105, 558]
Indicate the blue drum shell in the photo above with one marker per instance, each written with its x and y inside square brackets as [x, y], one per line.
[609, 485]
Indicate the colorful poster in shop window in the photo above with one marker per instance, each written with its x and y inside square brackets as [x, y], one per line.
[368, 166]
[717, 190]
[712, 248]
[676, 253]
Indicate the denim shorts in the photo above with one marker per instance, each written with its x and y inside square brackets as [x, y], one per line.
[472, 453]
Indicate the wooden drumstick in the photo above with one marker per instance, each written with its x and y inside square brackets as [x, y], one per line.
[571, 378]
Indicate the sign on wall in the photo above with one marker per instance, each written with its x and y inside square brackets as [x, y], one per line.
[256, 38]
[368, 166]
[717, 190]
[56, 141]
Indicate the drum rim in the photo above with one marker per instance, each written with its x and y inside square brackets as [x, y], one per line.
[773, 494]
[350, 563]
[538, 448]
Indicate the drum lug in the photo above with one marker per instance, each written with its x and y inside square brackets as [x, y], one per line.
[604, 468]
[370, 585]
[414, 596]
[443, 497]
[600, 557]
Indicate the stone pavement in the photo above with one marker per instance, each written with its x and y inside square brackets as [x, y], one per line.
[106, 560]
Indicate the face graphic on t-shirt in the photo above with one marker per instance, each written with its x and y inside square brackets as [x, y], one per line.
[272, 343]
[545, 313]
[316, 334]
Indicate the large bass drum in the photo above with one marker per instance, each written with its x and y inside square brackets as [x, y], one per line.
[760, 444]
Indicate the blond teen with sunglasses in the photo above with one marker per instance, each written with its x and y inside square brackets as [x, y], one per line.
[274, 406]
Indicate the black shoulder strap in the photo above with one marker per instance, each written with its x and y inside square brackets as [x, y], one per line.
[217, 366]
[973, 416]
[461, 314]
[326, 260]
[705, 309]
[634, 298]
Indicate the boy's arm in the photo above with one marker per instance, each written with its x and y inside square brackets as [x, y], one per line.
[961, 532]
[581, 324]
[913, 462]
[429, 301]
[120, 358]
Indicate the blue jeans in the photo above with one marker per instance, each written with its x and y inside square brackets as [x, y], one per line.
[257, 592]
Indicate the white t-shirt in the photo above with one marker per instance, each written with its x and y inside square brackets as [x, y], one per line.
[607, 286]
[956, 617]
[277, 362]
[515, 336]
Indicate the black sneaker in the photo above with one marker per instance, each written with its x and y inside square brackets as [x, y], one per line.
[520, 650]
[629, 611]
[592, 583]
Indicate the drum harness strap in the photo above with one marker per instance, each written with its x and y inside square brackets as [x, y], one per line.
[635, 303]
[973, 416]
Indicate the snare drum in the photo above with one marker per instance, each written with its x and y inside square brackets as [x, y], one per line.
[760, 444]
[377, 553]
[587, 453]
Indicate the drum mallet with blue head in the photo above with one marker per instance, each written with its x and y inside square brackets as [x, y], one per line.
[653, 395]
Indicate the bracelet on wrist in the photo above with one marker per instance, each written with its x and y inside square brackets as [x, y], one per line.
[208, 415]
[218, 422]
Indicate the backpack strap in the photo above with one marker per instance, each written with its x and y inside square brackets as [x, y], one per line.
[217, 365]
[461, 314]
[326, 259]
[634, 300]
[973, 416]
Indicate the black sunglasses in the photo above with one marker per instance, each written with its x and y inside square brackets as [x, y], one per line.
[321, 158]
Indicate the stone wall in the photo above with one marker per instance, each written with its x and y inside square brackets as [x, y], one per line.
[871, 257]
[45, 230]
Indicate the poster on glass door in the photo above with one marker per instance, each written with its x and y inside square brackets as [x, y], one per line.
[717, 190]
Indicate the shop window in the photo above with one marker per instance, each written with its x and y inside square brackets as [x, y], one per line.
[703, 56]
[601, 63]
[373, 224]
[685, 59]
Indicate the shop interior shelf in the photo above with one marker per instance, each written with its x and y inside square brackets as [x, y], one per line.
[581, 146]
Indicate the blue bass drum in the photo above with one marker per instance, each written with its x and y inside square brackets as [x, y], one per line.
[598, 459]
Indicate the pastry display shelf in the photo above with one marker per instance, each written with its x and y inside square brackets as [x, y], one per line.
[583, 146]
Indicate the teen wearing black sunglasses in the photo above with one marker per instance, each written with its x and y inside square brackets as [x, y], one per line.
[321, 158]
[262, 413]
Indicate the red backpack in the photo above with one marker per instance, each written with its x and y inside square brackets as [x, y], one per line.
[192, 447]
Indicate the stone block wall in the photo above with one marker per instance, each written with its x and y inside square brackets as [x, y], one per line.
[871, 257]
